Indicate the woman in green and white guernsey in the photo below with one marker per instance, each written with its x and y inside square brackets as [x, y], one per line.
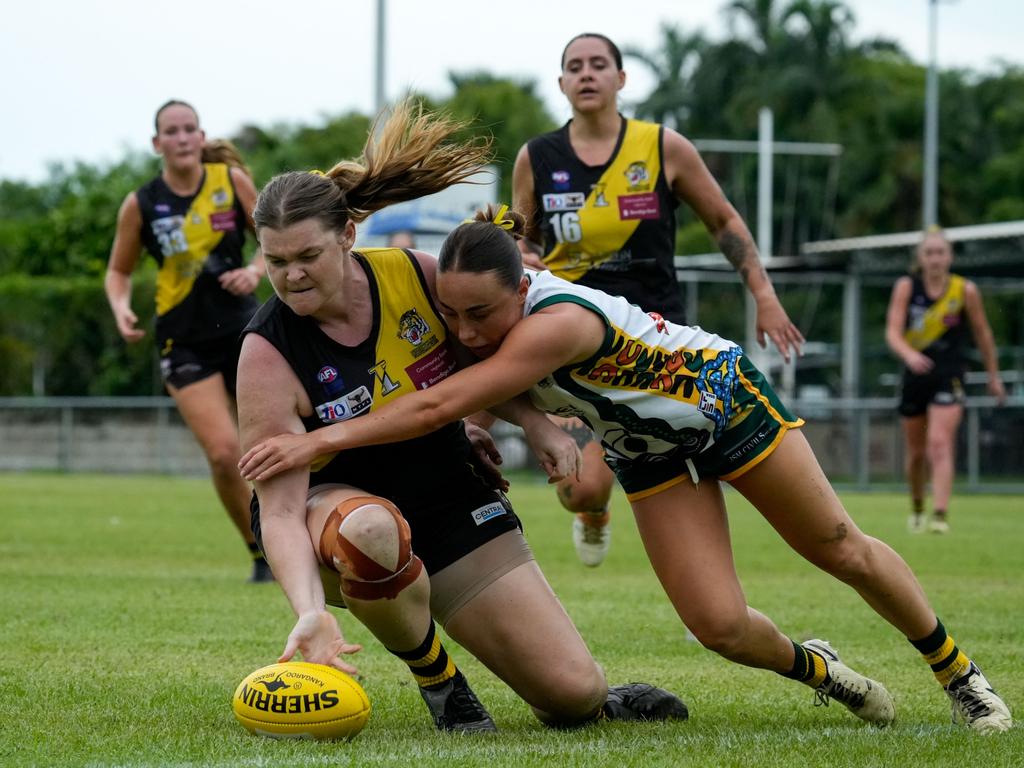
[678, 410]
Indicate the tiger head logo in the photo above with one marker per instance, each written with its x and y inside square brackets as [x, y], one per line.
[412, 327]
[637, 176]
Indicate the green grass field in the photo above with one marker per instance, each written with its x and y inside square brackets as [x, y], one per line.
[127, 624]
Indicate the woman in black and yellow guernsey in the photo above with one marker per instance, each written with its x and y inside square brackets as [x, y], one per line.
[926, 328]
[413, 532]
[599, 195]
[192, 219]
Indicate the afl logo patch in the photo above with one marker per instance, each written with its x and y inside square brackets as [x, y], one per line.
[561, 180]
[327, 374]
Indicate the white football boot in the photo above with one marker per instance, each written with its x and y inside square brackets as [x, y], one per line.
[592, 535]
[866, 698]
[976, 705]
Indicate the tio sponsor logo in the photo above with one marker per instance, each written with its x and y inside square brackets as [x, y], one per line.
[566, 201]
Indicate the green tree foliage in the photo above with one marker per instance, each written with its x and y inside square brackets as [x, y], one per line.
[673, 65]
[799, 57]
[508, 110]
[302, 147]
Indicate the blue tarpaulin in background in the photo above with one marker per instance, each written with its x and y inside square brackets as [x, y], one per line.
[414, 216]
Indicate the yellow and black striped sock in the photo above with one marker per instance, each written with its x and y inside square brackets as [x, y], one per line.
[946, 660]
[429, 662]
[808, 667]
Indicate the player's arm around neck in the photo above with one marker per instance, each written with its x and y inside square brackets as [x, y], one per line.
[535, 347]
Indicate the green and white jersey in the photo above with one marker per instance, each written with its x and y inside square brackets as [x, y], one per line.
[654, 388]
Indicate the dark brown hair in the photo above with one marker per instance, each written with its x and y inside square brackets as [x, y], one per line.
[172, 103]
[484, 245]
[613, 49]
[412, 155]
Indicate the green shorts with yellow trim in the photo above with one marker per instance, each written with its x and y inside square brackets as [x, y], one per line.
[758, 422]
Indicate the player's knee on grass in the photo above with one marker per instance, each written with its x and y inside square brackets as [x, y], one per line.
[368, 542]
[572, 698]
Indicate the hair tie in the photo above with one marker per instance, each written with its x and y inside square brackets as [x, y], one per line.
[317, 172]
[500, 220]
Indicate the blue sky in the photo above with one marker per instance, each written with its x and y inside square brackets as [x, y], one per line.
[82, 79]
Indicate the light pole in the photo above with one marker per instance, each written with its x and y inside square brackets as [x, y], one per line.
[380, 86]
[931, 123]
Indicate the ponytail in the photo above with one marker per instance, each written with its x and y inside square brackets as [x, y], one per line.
[412, 155]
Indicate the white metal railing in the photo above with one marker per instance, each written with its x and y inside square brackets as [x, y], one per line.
[857, 440]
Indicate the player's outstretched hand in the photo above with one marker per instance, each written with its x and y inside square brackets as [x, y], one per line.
[318, 638]
[773, 322]
[277, 454]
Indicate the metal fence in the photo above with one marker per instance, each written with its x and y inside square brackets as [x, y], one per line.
[857, 441]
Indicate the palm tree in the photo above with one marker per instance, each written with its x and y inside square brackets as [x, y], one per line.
[673, 65]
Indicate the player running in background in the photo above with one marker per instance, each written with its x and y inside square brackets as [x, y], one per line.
[926, 328]
[600, 195]
[192, 219]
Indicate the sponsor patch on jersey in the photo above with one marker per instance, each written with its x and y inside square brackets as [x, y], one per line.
[708, 404]
[347, 406]
[487, 512]
[561, 180]
[223, 221]
[219, 196]
[162, 208]
[432, 368]
[564, 201]
[641, 206]
[637, 176]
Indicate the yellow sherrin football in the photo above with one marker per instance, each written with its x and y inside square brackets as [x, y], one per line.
[298, 700]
